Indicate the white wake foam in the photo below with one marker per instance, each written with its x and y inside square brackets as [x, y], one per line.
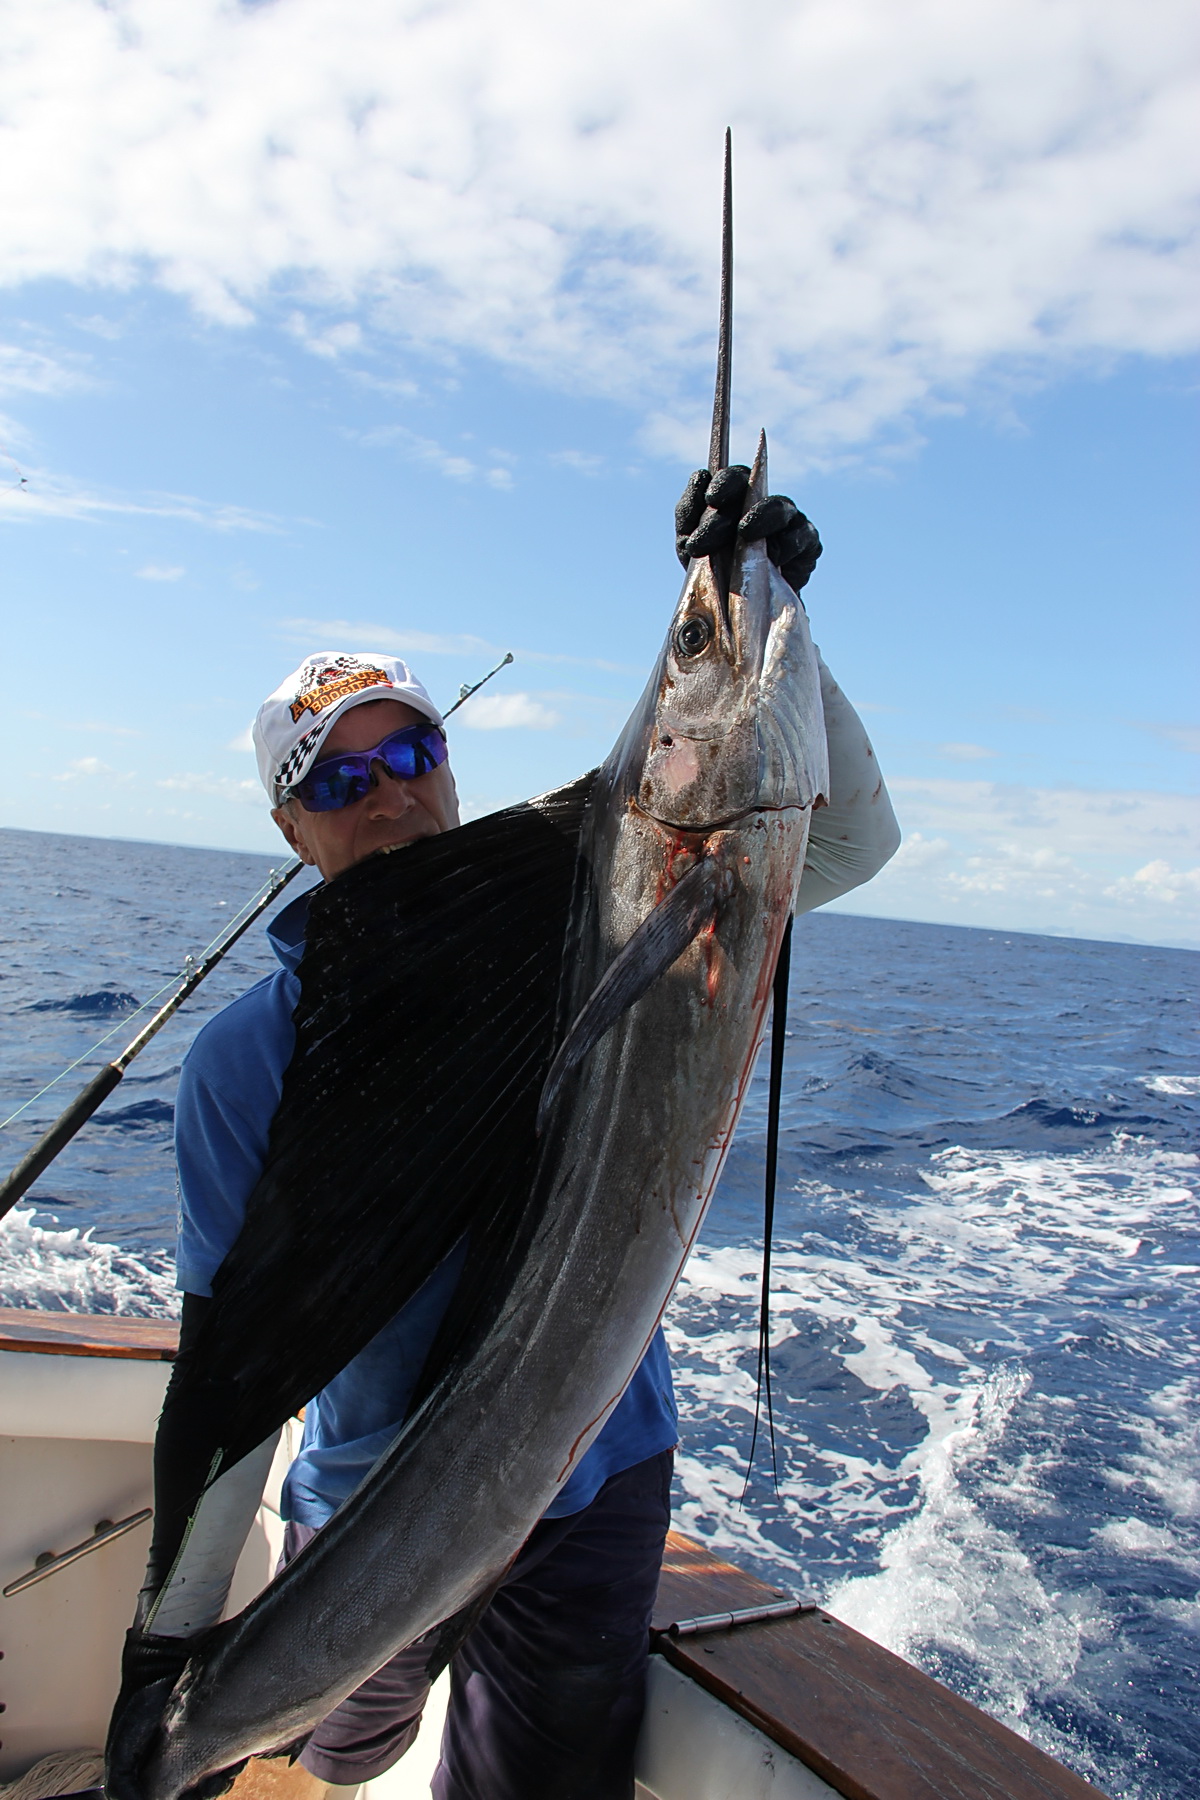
[69, 1271]
[1175, 1086]
[993, 1249]
[950, 1578]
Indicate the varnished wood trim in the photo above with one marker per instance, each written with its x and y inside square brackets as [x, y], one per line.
[865, 1721]
[87, 1334]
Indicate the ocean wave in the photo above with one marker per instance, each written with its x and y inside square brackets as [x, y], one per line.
[142, 1115]
[951, 1363]
[103, 1003]
[69, 1271]
[957, 1593]
[1039, 1117]
[1166, 1466]
[1172, 1086]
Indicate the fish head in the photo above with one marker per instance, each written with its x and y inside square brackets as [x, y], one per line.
[731, 722]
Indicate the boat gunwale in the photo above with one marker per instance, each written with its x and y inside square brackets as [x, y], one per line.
[866, 1722]
[32, 1331]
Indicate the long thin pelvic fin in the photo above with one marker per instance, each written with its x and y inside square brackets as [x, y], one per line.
[718, 445]
[779, 1008]
[660, 940]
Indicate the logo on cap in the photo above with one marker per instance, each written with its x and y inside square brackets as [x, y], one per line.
[333, 683]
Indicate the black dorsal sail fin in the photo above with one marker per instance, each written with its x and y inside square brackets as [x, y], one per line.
[779, 1011]
[426, 1023]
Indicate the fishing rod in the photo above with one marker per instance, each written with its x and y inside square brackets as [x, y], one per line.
[89, 1098]
[465, 692]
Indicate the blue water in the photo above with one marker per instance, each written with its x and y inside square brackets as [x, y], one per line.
[984, 1311]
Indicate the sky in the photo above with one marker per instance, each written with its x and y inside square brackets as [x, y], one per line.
[391, 326]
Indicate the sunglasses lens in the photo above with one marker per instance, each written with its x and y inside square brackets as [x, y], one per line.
[333, 785]
[413, 752]
[344, 779]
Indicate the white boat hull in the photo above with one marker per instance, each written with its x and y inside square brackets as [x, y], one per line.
[79, 1401]
[76, 1438]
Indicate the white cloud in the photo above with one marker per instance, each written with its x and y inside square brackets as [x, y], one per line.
[329, 341]
[927, 193]
[1160, 883]
[965, 752]
[83, 766]
[222, 787]
[157, 572]
[506, 712]
[1093, 824]
[451, 463]
[48, 496]
[31, 372]
[83, 725]
[244, 741]
[581, 461]
[348, 634]
[1099, 863]
[919, 852]
[97, 325]
[1184, 737]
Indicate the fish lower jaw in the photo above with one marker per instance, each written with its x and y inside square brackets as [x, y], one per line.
[723, 824]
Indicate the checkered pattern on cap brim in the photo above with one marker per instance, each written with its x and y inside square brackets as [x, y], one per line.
[291, 769]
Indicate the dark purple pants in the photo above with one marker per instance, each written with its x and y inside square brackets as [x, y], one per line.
[547, 1692]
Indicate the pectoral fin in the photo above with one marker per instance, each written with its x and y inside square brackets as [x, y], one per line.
[659, 940]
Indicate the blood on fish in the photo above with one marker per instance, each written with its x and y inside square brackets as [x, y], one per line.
[678, 847]
[712, 951]
[574, 1450]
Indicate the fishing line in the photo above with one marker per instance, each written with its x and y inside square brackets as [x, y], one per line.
[779, 1008]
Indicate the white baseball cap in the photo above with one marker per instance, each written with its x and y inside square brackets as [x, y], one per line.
[295, 720]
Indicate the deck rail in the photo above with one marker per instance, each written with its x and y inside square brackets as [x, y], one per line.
[48, 1563]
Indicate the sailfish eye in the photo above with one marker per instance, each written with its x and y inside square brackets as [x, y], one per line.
[693, 636]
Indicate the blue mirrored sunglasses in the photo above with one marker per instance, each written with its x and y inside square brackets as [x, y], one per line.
[341, 780]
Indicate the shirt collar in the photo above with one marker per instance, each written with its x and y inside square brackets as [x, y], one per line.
[286, 931]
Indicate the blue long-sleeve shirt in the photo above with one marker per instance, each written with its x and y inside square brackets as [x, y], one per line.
[229, 1089]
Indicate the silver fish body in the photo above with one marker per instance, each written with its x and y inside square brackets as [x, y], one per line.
[723, 759]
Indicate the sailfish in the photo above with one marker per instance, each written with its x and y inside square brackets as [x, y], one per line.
[534, 1032]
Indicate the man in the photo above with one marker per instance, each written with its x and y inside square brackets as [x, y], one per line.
[547, 1690]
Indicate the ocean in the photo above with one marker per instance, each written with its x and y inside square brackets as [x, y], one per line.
[984, 1313]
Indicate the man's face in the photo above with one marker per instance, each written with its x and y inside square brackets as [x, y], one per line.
[393, 812]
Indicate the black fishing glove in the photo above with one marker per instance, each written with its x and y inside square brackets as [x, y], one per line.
[150, 1667]
[709, 517]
